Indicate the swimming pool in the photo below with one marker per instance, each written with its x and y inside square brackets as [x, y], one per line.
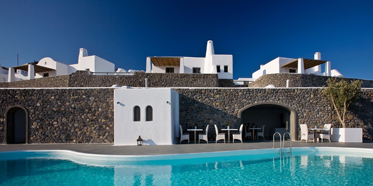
[306, 166]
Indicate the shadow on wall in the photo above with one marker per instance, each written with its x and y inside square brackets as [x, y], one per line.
[361, 115]
[195, 112]
[149, 142]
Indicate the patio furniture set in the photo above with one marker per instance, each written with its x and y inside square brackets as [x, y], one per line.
[315, 133]
[221, 135]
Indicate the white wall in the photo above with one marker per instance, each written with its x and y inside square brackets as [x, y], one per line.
[162, 69]
[60, 68]
[271, 67]
[160, 131]
[3, 75]
[223, 60]
[190, 62]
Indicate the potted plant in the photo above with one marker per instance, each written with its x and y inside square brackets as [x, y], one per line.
[315, 124]
[195, 125]
[228, 124]
[341, 95]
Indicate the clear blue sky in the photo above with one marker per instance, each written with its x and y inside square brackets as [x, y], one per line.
[126, 32]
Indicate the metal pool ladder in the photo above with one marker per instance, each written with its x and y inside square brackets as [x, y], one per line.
[280, 141]
[283, 140]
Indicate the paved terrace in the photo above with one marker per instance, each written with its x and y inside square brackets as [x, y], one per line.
[110, 149]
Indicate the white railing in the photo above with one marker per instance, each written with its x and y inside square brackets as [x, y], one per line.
[113, 73]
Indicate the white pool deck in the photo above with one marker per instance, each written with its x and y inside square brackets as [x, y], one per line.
[110, 149]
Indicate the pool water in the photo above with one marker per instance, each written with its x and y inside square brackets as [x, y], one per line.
[298, 169]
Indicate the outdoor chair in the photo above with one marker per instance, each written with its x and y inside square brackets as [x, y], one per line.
[261, 134]
[326, 133]
[219, 136]
[238, 136]
[247, 132]
[183, 136]
[305, 135]
[204, 136]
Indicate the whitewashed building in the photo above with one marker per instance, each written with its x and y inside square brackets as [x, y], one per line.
[3, 74]
[152, 113]
[210, 64]
[47, 67]
[300, 66]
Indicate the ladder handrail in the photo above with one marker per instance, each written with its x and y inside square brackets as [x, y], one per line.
[283, 140]
[274, 141]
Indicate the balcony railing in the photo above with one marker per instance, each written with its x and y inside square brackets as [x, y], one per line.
[113, 73]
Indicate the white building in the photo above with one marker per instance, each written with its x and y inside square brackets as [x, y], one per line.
[210, 64]
[3, 74]
[300, 66]
[47, 67]
[152, 113]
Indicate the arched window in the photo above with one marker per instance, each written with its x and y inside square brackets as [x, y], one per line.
[136, 113]
[149, 113]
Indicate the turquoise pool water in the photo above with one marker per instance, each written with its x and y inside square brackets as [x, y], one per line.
[306, 166]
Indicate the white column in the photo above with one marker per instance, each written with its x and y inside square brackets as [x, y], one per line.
[181, 66]
[300, 66]
[327, 68]
[31, 72]
[11, 76]
[287, 83]
[148, 65]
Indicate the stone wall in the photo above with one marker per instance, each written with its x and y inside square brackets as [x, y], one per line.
[63, 115]
[83, 79]
[218, 106]
[298, 80]
[54, 81]
[85, 115]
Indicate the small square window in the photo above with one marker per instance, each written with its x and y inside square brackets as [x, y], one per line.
[225, 68]
[45, 75]
[169, 70]
[196, 70]
[217, 68]
[292, 71]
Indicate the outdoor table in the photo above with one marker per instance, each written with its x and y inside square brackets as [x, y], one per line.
[229, 132]
[315, 133]
[254, 131]
[195, 132]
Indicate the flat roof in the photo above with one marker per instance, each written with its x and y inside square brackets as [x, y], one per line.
[165, 61]
[308, 63]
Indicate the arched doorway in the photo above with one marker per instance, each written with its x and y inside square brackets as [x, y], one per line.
[16, 130]
[276, 118]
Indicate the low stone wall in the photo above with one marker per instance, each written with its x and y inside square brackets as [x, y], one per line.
[54, 81]
[63, 115]
[83, 79]
[299, 80]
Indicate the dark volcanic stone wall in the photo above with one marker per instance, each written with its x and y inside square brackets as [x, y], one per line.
[54, 81]
[218, 106]
[83, 79]
[63, 115]
[138, 80]
[86, 114]
[298, 80]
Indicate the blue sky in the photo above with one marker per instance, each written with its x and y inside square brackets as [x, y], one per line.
[126, 32]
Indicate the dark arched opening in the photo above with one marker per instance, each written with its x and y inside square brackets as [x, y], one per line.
[276, 118]
[16, 119]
